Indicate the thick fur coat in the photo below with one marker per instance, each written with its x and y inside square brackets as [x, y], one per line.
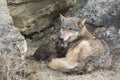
[86, 53]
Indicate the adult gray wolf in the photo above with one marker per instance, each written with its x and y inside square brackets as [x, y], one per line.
[86, 53]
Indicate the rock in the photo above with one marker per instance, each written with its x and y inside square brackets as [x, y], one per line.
[111, 35]
[33, 16]
[100, 12]
[19, 1]
[13, 46]
[10, 38]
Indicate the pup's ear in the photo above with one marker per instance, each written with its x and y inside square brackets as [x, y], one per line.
[53, 38]
[62, 17]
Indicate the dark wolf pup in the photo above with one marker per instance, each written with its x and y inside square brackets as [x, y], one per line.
[54, 48]
[86, 53]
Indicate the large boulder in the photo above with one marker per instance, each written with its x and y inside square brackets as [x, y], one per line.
[100, 12]
[10, 38]
[13, 45]
[35, 16]
[111, 34]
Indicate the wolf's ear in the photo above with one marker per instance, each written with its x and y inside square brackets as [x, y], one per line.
[53, 38]
[80, 21]
[83, 21]
[62, 17]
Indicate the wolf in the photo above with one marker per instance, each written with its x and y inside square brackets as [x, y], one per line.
[54, 48]
[86, 53]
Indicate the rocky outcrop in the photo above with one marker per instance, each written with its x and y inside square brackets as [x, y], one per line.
[100, 12]
[10, 38]
[35, 16]
[111, 34]
[13, 45]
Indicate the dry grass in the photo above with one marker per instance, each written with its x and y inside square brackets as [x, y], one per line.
[17, 68]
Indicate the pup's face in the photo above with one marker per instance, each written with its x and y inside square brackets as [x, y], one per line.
[70, 28]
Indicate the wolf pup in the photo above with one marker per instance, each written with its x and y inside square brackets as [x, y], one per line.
[47, 51]
[54, 48]
[86, 53]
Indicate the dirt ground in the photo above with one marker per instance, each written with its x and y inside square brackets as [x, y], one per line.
[36, 70]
